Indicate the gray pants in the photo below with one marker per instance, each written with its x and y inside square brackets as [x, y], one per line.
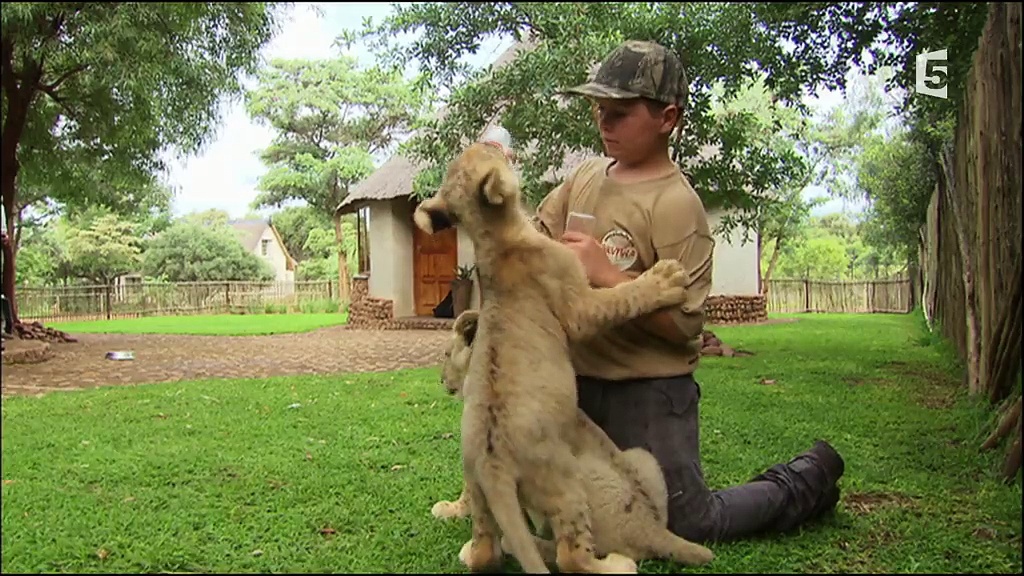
[661, 416]
[8, 320]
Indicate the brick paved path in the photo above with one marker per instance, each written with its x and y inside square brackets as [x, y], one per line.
[162, 358]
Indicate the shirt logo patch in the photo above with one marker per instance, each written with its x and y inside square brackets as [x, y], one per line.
[619, 247]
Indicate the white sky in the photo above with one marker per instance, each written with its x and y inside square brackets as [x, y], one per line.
[225, 173]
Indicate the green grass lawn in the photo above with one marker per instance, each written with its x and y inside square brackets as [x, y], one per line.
[316, 474]
[208, 324]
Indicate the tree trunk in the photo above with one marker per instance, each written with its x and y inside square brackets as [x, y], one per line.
[926, 271]
[1007, 421]
[973, 339]
[19, 97]
[760, 275]
[9, 252]
[771, 267]
[1004, 352]
[984, 280]
[8, 183]
[343, 280]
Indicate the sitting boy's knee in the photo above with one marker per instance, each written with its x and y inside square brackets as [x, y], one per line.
[694, 519]
[694, 529]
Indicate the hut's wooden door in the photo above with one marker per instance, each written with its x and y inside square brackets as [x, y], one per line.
[434, 259]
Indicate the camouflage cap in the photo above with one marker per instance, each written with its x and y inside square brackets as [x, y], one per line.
[638, 69]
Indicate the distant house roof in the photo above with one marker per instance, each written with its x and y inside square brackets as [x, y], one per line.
[251, 230]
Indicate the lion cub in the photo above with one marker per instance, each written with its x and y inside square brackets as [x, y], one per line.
[519, 412]
[625, 489]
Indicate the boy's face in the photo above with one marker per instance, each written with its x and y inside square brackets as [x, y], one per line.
[634, 130]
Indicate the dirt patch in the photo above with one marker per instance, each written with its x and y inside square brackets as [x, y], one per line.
[23, 351]
[881, 536]
[935, 389]
[854, 381]
[984, 533]
[862, 503]
[169, 358]
[923, 372]
[937, 400]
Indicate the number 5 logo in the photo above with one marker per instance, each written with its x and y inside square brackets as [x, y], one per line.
[932, 78]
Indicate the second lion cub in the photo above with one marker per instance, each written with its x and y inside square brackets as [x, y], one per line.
[625, 489]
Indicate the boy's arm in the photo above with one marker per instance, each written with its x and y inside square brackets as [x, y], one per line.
[552, 212]
[683, 323]
[696, 254]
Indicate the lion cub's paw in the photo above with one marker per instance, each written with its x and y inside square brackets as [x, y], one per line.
[479, 558]
[617, 564]
[670, 279]
[700, 555]
[445, 509]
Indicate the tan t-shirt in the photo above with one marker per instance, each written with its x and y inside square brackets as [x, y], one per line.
[638, 224]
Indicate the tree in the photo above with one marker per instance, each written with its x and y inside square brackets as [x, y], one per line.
[330, 117]
[45, 230]
[819, 258]
[92, 92]
[784, 211]
[897, 177]
[799, 47]
[722, 45]
[194, 251]
[295, 223]
[40, 255]
[827, 37]
[103, 250]
[319, 246]
[212, 217]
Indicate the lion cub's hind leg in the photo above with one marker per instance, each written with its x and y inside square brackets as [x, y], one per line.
[662, 543]
[647, 524]
[546, 547]
[556, 490]
[483, 552]
[498, 486]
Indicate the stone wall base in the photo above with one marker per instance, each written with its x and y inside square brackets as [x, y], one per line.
[369, 313]
[720, 310]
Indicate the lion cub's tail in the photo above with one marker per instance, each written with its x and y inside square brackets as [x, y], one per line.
[665, 544]
[503, 500]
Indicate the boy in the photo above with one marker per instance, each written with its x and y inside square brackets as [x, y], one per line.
[636, 381]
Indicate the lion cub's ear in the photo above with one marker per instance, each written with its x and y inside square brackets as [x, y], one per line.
[498, 185]
[465, 325]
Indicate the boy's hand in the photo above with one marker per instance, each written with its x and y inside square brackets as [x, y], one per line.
[600, 271]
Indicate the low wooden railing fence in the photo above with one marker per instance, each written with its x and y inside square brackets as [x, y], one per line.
[862, 296]
[131, 300]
